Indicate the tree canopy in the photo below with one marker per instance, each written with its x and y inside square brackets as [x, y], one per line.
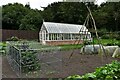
[18, 16]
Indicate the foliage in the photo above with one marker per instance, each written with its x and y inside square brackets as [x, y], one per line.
[13, 38]
[111, 36]
[107, 72]
[65, 12]
[107, 16]
[18, 16]
[25, 56]
[86, 42]
[3, 48]
[31, 21]
[108, 42]
[29, 61]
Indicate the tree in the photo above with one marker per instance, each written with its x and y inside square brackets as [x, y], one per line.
[65, 12]
[12, 14]
[31, 21]
[108, 16]
[17, 16]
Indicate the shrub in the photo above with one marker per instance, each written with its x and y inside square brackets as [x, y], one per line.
[106, 36]
[13, 38]
[111, 36]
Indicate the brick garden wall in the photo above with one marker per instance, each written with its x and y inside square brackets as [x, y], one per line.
[21, 34]
[30, 35]
[64, 42]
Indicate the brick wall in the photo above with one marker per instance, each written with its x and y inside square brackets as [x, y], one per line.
[22, 34]
[64, 42]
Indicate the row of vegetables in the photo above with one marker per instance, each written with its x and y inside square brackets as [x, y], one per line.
[107, 72]
[28, 60]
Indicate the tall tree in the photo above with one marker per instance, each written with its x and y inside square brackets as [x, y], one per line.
[66, 12]
[108, 16]
[31, 21]
[17, 16]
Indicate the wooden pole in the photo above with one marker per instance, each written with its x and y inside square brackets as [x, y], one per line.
[96, 30]
[93, 22]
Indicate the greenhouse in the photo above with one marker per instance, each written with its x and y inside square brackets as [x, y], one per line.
[51, 32]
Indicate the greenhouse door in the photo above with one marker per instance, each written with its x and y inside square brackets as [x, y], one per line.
[43, 36]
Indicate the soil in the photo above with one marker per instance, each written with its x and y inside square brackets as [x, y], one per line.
[58, 65]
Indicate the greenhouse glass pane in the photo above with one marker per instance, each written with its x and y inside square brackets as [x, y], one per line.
[63, 28]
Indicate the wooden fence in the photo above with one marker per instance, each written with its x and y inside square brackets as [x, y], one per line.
[21, 34]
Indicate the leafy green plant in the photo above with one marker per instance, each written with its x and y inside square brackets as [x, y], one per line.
[74, 77]
[108, 42]
[3, 48]
[105, 36]
[86, 42]
[13, 38]
[24, 45]
[29, 61]
[107, 72]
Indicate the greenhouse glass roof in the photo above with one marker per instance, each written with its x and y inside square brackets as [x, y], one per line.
[52, 27]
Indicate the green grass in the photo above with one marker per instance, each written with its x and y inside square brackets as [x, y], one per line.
[36, 45]
[102, 41]
[70, 46]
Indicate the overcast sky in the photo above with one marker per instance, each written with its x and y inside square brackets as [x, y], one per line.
[36, 3]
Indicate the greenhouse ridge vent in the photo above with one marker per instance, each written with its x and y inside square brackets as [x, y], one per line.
[52, 33]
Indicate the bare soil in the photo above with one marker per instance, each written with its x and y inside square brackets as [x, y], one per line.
[60, 66]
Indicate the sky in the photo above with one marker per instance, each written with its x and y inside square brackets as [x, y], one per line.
[36, 4]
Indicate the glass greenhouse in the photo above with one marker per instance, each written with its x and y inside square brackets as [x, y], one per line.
[57, 32]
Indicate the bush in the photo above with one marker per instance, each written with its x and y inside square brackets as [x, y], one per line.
[118, 38]
[106, 36]
[13, 38]
[111, 36]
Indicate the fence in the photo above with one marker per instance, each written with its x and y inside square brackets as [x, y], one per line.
[22, 34]
[24, 57]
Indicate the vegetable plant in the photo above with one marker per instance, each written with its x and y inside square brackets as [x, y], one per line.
[107, 72]
[29, 61]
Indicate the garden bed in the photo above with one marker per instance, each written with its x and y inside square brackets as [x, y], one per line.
[78, 64]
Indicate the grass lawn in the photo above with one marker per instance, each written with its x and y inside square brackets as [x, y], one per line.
[105, 42]
[70, 46]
